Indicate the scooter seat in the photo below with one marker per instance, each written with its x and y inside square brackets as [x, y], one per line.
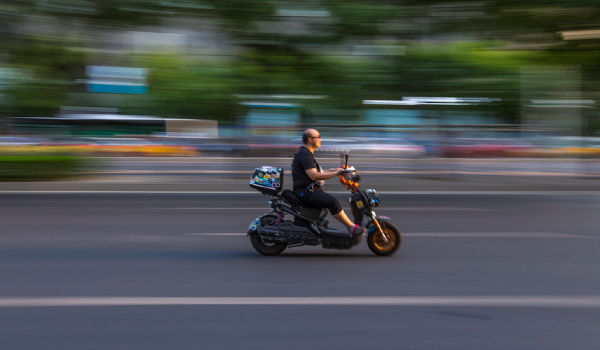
[291, 198]
[312, 213]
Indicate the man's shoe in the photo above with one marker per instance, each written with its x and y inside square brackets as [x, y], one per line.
[356, 230]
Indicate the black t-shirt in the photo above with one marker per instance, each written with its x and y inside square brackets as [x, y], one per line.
[303, 161]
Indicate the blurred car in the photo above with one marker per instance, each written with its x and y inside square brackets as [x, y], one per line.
[20, 144]
[372, 147]
[466, 147]
[269, 146]
[71, 145]
[19, 141]
[563, 146]
[218, 146]
[136, 147]
[429, 144]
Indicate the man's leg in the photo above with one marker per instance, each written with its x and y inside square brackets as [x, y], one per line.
[343, 218]
[353, 228]
[322, 199]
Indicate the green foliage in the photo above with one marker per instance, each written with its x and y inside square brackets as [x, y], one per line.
[361, 19]
[184, 88]
[274, 62]
[102, 12]
[50, 52]
[464, 69]
[40, 98]
[38, 167]
[241, 14]
[285, 71]
[52, 69]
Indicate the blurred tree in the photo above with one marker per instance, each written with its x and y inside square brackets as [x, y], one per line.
[183, 88]
[115, 13]
[242, 15]
[464, 70]
[362, 19]
[52, 70]
[307, 47]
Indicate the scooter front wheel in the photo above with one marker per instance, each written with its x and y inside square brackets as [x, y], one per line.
[379, 246]
[264, 248]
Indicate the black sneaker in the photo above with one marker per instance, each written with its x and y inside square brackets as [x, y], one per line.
[356, 230]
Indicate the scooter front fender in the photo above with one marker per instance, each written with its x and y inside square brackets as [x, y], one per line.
[380, 219]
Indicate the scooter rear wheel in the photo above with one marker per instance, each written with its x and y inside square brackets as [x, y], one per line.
[268, 249]
[379, 246]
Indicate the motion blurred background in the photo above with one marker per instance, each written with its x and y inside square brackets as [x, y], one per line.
[393, 78]
[477, 122]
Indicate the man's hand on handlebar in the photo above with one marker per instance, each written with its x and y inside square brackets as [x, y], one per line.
[347, 171]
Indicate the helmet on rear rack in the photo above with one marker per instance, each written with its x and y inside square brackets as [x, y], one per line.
[267, 180]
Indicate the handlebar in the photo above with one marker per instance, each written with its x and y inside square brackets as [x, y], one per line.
[349, 178]
[348, 170]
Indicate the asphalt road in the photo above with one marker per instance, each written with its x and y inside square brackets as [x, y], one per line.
[175, 271]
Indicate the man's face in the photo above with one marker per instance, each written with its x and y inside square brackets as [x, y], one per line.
[315, 139]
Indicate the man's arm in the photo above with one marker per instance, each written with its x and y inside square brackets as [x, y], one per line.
[325, 175]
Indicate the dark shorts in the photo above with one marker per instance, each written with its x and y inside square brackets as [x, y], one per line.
[321, 199]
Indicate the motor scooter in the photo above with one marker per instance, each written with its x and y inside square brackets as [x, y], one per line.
[290, 223]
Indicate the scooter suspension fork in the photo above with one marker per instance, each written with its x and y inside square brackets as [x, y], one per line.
[373, 216]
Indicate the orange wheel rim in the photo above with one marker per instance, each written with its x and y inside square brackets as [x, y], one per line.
[381, 244]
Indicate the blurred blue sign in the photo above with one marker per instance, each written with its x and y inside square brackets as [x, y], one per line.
[118, 80]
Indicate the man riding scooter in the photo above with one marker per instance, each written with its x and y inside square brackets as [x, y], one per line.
[308, 178]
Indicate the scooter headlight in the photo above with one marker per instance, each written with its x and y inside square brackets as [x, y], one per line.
[373, 198]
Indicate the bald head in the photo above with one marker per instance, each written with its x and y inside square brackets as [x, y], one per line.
[308, 133]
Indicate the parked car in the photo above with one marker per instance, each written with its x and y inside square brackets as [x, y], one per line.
[269, 146]
[229, 146]
[464, 147]
[429, 144]
[20, 144]
[284, 146]
[372, 147]
[563, 146]
[19, 141]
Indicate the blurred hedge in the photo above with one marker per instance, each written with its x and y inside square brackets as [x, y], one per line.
[38, 167]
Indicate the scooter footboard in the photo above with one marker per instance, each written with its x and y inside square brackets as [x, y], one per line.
[339, 240]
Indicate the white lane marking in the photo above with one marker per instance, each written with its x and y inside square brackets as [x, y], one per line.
[262, 207]
[575, 301]
[496, 235]
[465, 192]
[436, 208]
[387, 208]
[494, 193]
[214, 234]
[440, 234]
[486, 193]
